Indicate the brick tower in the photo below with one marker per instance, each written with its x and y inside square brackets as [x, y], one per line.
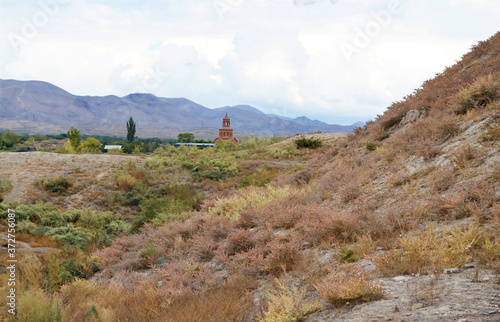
[226, 132]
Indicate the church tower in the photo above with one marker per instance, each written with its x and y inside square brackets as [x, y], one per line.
[226, 132]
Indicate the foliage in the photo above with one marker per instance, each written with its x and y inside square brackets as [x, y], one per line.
[131, 128]
[307, 143]
[5, 185]
[125, 182]
[38, 138]
[54, 185]
[432, 250]
[73, 228]
[91, 145]
[348, 284]
[225, 146]
[74, 138]
[8, 139]
[478, 94]
[371, 146]
[250, 198]
[185, 138]
[34, 305]
[349, 255]
[288, 304]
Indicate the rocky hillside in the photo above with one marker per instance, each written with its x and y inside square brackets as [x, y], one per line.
[398, 221]
[403, 215]
[40, 107]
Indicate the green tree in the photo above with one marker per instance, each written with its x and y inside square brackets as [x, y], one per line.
[130, 130]
[185, 138]
[74, 138]
[91, 145]
[8, 139]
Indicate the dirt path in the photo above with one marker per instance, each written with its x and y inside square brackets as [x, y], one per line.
[23, 169]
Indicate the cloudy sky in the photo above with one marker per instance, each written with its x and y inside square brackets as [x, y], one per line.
[339, 61]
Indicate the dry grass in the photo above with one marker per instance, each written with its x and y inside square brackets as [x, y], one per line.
[347, 284]
[432, 250]
[125, 182]
[287, 304]
[37, 241]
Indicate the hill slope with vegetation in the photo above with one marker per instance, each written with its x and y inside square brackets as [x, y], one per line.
[399, 220]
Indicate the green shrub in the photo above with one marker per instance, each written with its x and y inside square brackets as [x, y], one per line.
[91, 145]
[69, 236]
[124, 182]
[371, 146]
[58, 219]
[348, 255]
[8, 139]
[5, 185]
[307, 143]
[34, 305]
[54, 185]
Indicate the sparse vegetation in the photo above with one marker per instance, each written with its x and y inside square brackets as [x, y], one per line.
[288, 304]
[307, 143]
[348, 285]
[479, 94]
[200, 234]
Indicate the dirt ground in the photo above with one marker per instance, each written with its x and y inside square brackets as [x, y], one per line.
[23, 169]
[469, 295]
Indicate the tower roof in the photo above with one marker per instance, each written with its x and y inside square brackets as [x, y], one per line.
[226, 117]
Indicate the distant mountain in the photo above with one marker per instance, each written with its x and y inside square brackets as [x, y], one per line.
[40, 107]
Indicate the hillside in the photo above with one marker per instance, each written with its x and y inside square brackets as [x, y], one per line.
[398, 221]
[40, 107]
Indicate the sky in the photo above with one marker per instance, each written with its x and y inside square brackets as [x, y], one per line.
[338, 61]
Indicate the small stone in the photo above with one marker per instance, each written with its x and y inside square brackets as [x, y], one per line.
[468, 266]
[493, 312]
[416, 306]
[399, 279]
[452, 270]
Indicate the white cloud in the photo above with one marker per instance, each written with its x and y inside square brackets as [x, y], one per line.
[283, 56]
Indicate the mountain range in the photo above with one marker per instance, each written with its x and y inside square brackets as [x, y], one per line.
[41, 107]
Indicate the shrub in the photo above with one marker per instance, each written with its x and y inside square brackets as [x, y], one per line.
[55, 185]
[348, 284]
[307, 143]
[288, 304]
[479, 94]
[70, 236]
[431, 250]
[34, 305]
[371, 146]
[8, 139]
[5, 185]
[250, 198]
[149, 253]
[348, 254]
[126, 181]
[91, 145]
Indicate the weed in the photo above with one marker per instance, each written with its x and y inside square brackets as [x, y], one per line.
[287, 304]
[125, 182]
[347, 284]
[479, 94]
[348, 254]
